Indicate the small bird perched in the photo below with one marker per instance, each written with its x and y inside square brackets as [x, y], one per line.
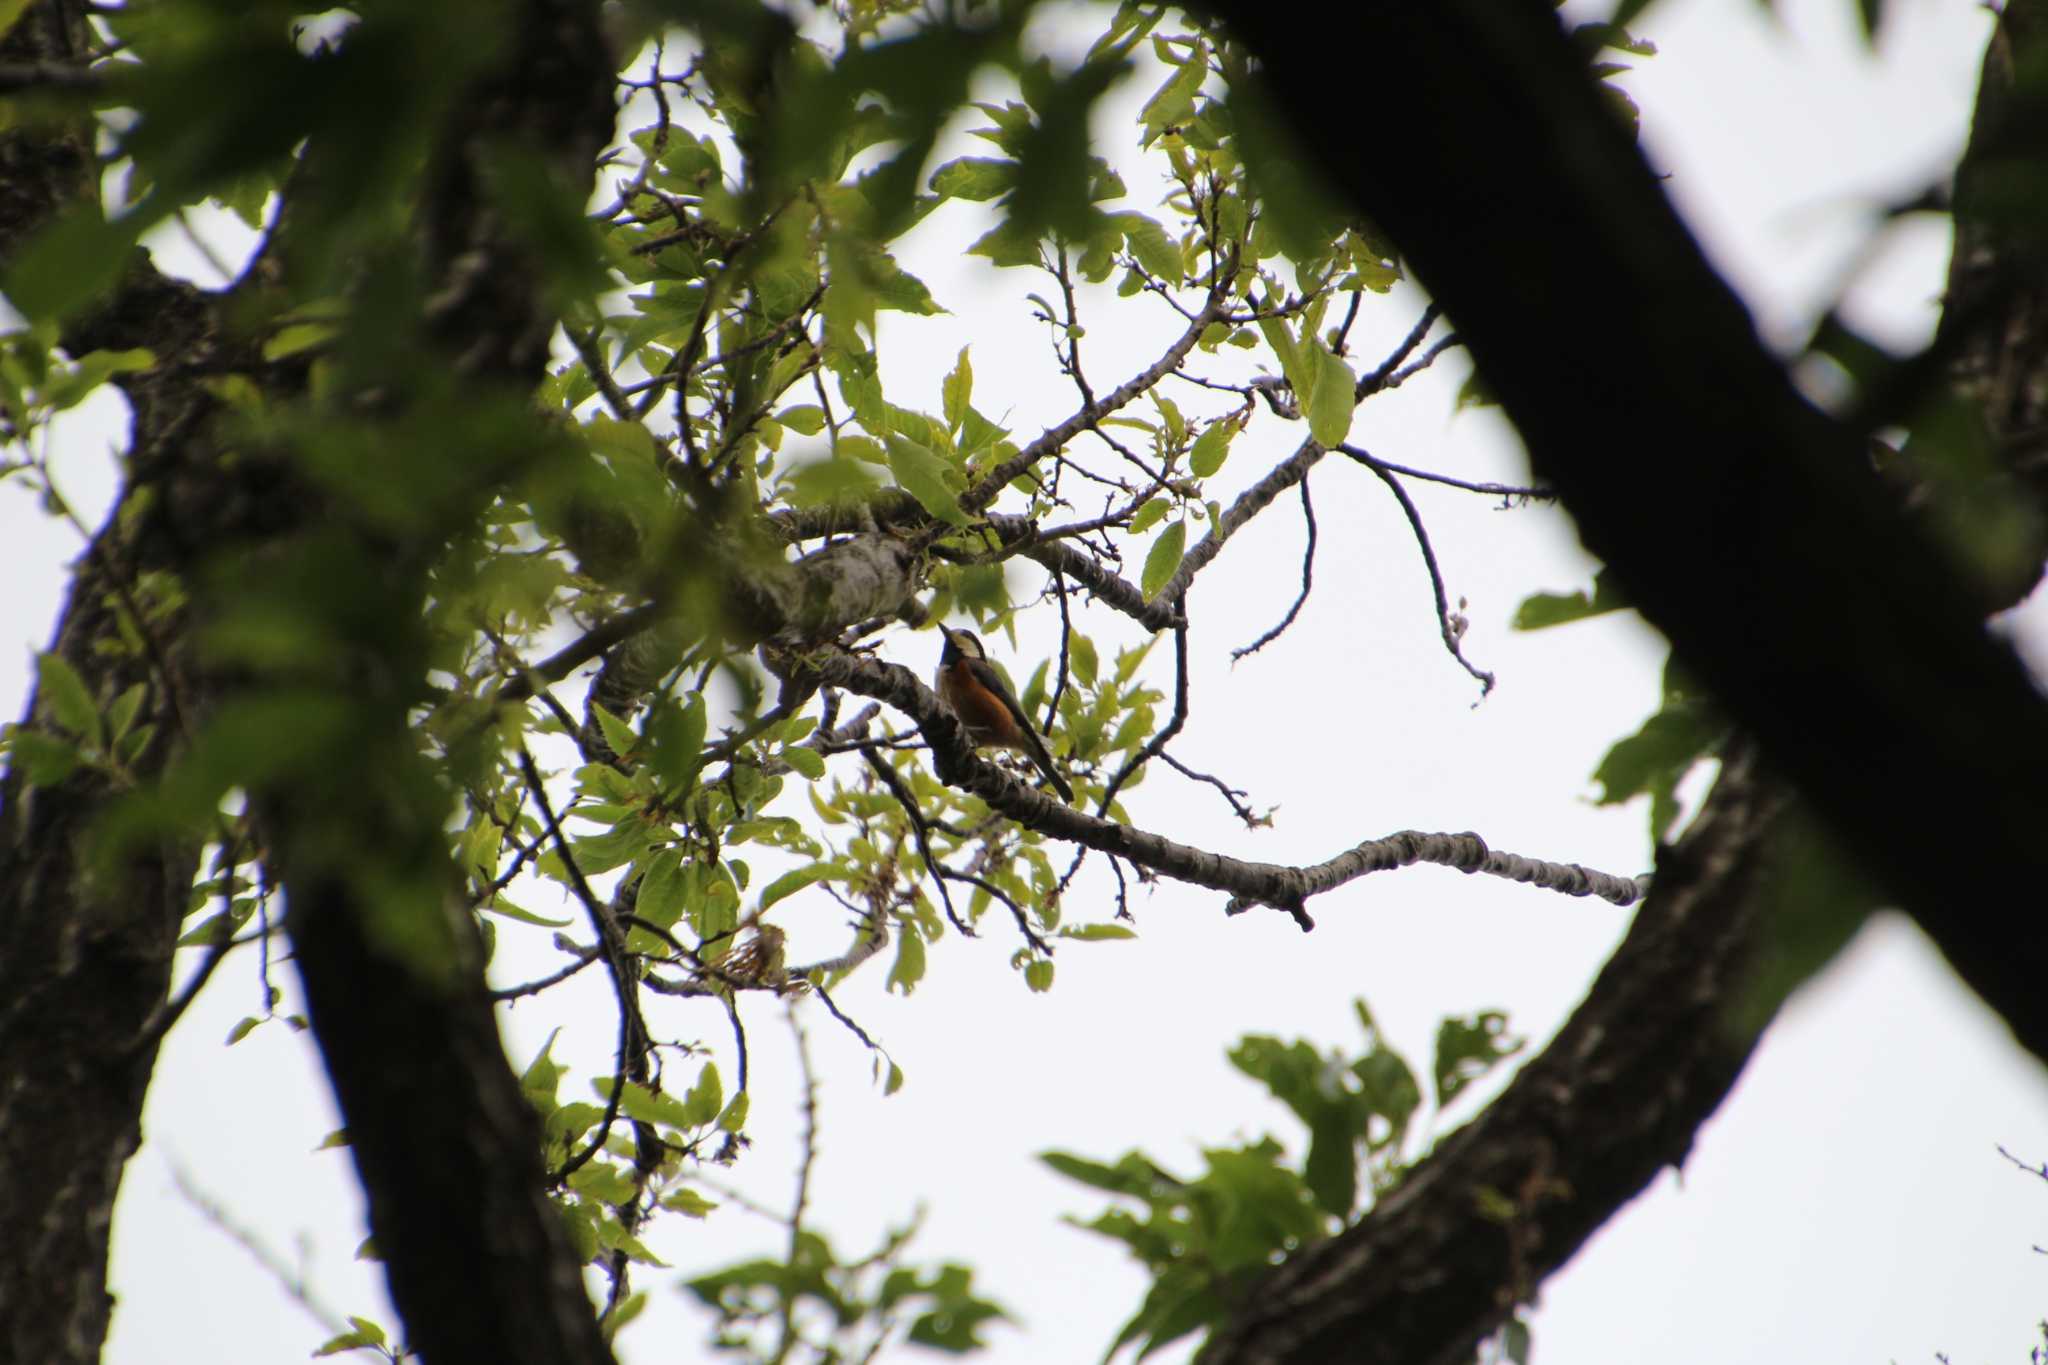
[969, 684]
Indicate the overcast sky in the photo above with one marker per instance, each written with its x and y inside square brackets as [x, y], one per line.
[1847, 1204]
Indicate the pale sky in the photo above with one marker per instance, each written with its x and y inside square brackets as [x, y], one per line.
[1848, 1202]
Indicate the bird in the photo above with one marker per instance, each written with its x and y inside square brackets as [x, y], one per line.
[987, 708]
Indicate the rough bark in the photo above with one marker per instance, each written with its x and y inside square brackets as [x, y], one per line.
[1748, 526]
[1582, 1129]
[85, 951]
[1650, 1054]
[448, 1150]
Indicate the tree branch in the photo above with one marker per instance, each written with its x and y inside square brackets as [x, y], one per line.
[1248, 883]
[1421, 1279]
[1755, 535]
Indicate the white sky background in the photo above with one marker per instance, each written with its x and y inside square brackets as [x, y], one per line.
[1847, 1204]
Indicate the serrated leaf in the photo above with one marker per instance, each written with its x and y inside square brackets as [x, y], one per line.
[1163, 558]
[928, 478]
[617, 733]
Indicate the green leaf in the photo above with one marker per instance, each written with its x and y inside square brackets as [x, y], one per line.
[542, 1075]
[805, 419]
[1469, 1047]
[65, 693]
[836, 482]
[1816, 898]
[735, 1116]
[705, 1100]
[44, 759]
[957, 390]
[297, 337]
[1656, 758]
[795, 880]
[809, 762]
[1329, 403]
[337, 1138]
[977, 178]
[1038, 974]
[617, 733]
[498, 905]
[908, 968]
[1163, 558]
[1173, 103]
[1540, 611]
[243, 1027]
[688, 1202]
[1211, 447]
[1155, 250]
[1098, 933]
[677, 734]
[68, 390]
[932, 480]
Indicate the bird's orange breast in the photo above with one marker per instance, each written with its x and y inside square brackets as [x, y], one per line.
[988, 721]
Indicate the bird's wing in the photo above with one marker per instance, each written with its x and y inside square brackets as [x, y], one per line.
[985, 674]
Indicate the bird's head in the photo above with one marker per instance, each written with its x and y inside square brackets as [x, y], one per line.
[961, 644]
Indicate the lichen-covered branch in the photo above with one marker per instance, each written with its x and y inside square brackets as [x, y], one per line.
[1247, 883]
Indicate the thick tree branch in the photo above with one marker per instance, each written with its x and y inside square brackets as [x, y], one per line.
[478, 1260]
[1248, 883]
[1746, 525]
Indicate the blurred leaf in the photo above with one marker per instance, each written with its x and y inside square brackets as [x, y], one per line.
[795, 880]
[61, 689]
[43, 759]
[933, 481]
[1818, 896]
[1539, 611]
[1328, 405]
[908, 968]
[1467, 1048]
[973, 177]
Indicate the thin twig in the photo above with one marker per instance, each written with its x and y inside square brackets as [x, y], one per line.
[1308, 567]
[1451, 632]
